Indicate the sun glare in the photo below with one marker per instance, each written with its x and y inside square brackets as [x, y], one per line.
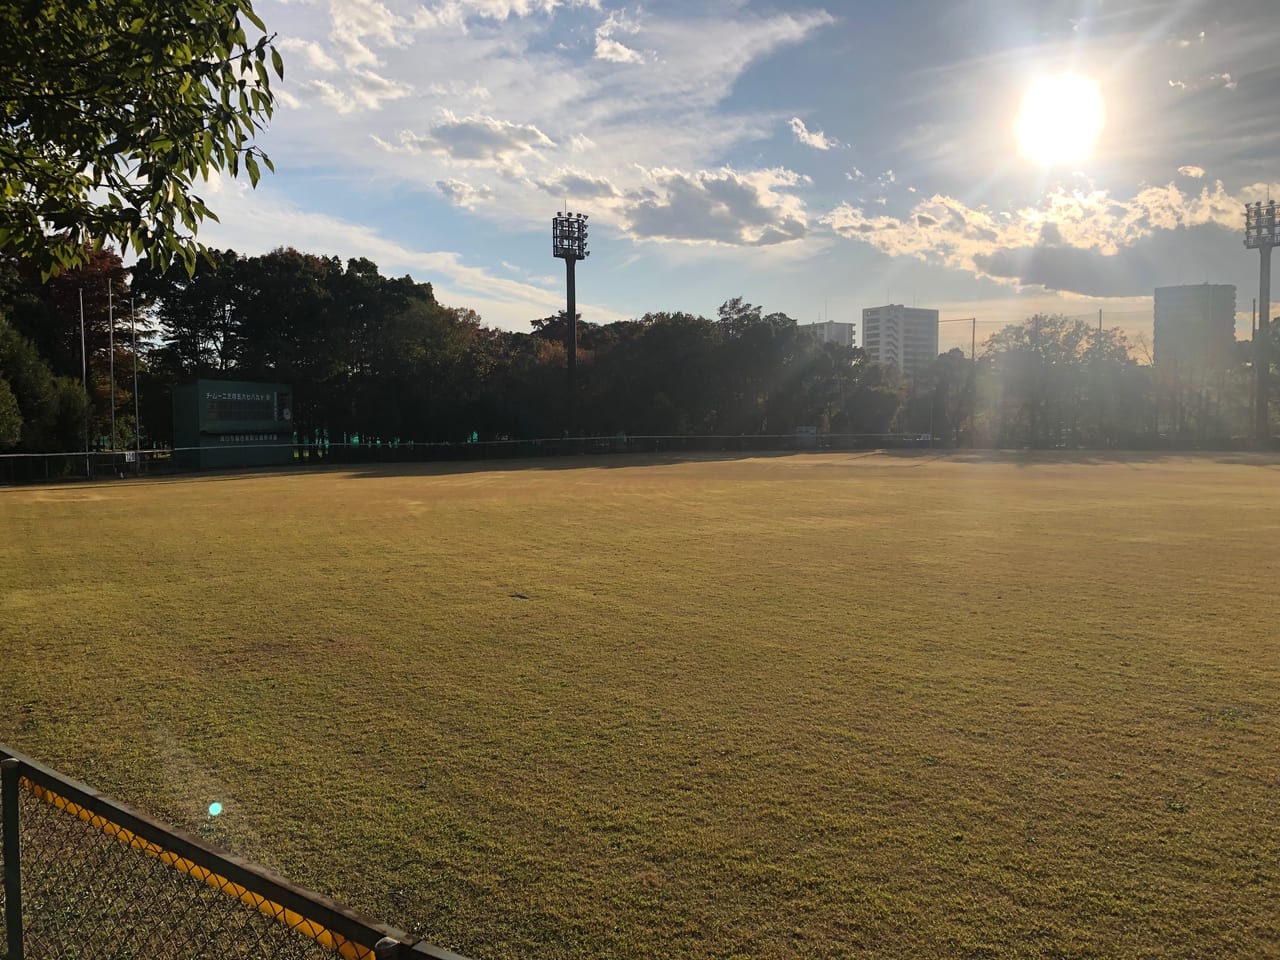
[1060, 119]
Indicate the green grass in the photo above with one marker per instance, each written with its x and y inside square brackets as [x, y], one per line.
[811, 706]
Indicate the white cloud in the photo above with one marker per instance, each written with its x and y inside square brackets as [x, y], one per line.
[366, 90]
[1222, 80]
[1042, 240]
[354, 21]
[612, 50]
[462, 194]
[721, 206]
[615, 52]
[1196, 173]
[458, 12]
[516, 116]
[811, 138]
[576, 185]
[478, 138]
[460, 90]
[311, 52]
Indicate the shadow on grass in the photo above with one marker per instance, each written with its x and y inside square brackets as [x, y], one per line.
[570, 461]
[1028, 458]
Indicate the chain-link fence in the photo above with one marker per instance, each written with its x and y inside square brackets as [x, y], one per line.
[16, 468]
[86, 878]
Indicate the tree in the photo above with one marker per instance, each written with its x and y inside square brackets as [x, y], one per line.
[194, 312]
[941, 402]
[51, 409]
[1053, 383]
[47, 313]
[109, 109]
[10, 417]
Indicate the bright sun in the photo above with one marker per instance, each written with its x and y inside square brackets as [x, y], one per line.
[1060, 119]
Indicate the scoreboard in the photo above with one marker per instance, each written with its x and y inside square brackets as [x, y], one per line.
[232, 423]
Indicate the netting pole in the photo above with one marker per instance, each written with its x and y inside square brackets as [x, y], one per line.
[12, 858]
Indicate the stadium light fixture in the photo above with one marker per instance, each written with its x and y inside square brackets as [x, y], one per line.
[1260, 234]
[569, 243]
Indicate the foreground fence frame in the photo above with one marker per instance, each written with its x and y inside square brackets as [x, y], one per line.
[343, 931]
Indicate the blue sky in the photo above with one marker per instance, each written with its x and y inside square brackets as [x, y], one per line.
[815, 158]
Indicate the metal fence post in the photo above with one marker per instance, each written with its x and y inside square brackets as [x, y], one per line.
[12, 857]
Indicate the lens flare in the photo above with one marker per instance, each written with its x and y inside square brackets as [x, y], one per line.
[215, 808]
[1060, 120]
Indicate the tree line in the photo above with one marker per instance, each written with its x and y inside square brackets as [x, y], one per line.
[379, 356]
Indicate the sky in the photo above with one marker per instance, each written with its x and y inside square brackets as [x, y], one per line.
[812, 158]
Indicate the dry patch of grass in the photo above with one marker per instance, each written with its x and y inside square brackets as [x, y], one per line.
[791, 706]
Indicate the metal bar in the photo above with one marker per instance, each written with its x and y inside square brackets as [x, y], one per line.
[137, 416]
[9, 772]
[84, 380]
[1262, 350]
[111, 349]
[571, 344]
[328, 913]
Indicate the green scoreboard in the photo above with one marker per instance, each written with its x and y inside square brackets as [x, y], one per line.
[232, 423]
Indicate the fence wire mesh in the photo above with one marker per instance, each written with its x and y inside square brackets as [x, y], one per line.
[18, 468]
[93, 890]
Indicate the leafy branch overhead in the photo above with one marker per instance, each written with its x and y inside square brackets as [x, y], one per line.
[111, 111]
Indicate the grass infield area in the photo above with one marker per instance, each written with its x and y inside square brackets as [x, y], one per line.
[785, 706]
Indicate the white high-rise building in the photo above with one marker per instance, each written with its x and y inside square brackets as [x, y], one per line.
[906, 337]
[1195, 326]
[832, 331]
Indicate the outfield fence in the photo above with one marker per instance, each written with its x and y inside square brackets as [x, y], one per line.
[102, 465]
[87, 878]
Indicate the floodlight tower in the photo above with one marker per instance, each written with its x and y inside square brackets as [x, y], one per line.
[1260, 234]
[569, 243]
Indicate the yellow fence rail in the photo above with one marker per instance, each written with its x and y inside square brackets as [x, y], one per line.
[85, 875]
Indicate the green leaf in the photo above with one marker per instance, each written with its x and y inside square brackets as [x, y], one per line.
[278, 62]
[247, 10]
[132, 100]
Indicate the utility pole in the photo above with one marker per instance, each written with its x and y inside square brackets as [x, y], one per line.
[137, 417]
[569, 243]
[111, 349]
[1260, 234]
[973, 335]
[84, 379]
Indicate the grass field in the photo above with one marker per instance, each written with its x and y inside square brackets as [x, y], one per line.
[809, 706]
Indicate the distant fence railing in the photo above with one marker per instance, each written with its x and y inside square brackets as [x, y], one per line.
[87, 877]
[97, 464]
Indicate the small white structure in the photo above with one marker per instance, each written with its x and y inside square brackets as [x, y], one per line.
[831, 331]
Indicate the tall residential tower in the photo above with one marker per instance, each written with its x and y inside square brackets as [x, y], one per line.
[906, 337]
[1195, 326]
